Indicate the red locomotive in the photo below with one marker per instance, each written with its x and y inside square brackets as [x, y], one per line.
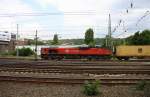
[75, 53]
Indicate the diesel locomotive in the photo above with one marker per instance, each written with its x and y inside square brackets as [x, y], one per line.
[75, 53]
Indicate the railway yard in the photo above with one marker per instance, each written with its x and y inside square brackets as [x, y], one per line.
[61, 77]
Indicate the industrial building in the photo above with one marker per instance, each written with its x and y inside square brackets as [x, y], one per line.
[7, 41]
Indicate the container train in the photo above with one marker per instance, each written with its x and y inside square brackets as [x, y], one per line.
[120, 52]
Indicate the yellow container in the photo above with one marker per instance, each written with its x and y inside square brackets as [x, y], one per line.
[133, 51]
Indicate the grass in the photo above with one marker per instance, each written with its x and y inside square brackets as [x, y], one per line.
[19, 57]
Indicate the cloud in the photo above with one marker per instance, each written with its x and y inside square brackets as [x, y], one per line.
[12, 7]
[98, 11]
[75, 16]
[15, 6]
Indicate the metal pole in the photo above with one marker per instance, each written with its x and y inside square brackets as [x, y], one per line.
[109, 32]
[106, 41]
[36, 46]
[17, 42]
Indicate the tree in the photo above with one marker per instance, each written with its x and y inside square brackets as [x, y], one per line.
[138, 38]
[135, 39]
[55, 40]
[32, 42]
[89, 37]
[24, 52]
[145, 37]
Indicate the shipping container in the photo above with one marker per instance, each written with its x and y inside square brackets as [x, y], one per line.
[133, 51]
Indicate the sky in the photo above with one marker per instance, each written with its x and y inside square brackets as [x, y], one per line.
[71, 18]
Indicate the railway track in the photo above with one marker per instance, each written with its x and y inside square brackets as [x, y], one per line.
[79, 63]
[63, 80]
[73, 67]
[77, 68]
[102, 68]
[79, 60]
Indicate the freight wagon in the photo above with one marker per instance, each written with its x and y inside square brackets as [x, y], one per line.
[132, 51]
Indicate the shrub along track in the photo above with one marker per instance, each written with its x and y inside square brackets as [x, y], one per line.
[78, 67]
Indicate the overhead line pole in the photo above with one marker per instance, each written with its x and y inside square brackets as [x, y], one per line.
[109, 41]
[36, 46]
[17, 41]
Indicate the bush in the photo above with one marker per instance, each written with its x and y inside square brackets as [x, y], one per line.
[144, 86]
[147, 90]
[24, 52]
[7, 53]
[141, 85]
[91, 88]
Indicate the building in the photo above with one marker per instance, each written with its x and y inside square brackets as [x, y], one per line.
[22, 42]
[7, 41]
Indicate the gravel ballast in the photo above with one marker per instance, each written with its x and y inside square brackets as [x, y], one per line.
[17, 89]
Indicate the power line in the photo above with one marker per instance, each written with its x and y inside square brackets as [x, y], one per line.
[45, 14]
[121, 20]
[141, 18]
[17, 40]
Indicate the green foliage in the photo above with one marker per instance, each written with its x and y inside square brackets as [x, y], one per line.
[7, 53]
[141, 85]
[24, 52]
[89, 36]
[91, 88]
[32, 42]
[91, 44]
[72, 41]
[97, 41]
[147, 90]
[55, 40]
[4, 53]
[138, 38]
[144, 86]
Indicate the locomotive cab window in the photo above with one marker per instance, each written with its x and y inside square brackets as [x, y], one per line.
[139, 50]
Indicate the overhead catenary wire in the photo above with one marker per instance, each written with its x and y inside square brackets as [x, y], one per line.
[122, 21]
[132, 5]
[145, 15]
[123, 28]
[45, 14]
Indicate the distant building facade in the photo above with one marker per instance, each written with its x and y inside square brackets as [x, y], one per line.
[22, 42]
[7, 41]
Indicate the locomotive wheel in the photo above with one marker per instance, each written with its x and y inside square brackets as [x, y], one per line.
[89, 58]
[126, 58]
[123, 58]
